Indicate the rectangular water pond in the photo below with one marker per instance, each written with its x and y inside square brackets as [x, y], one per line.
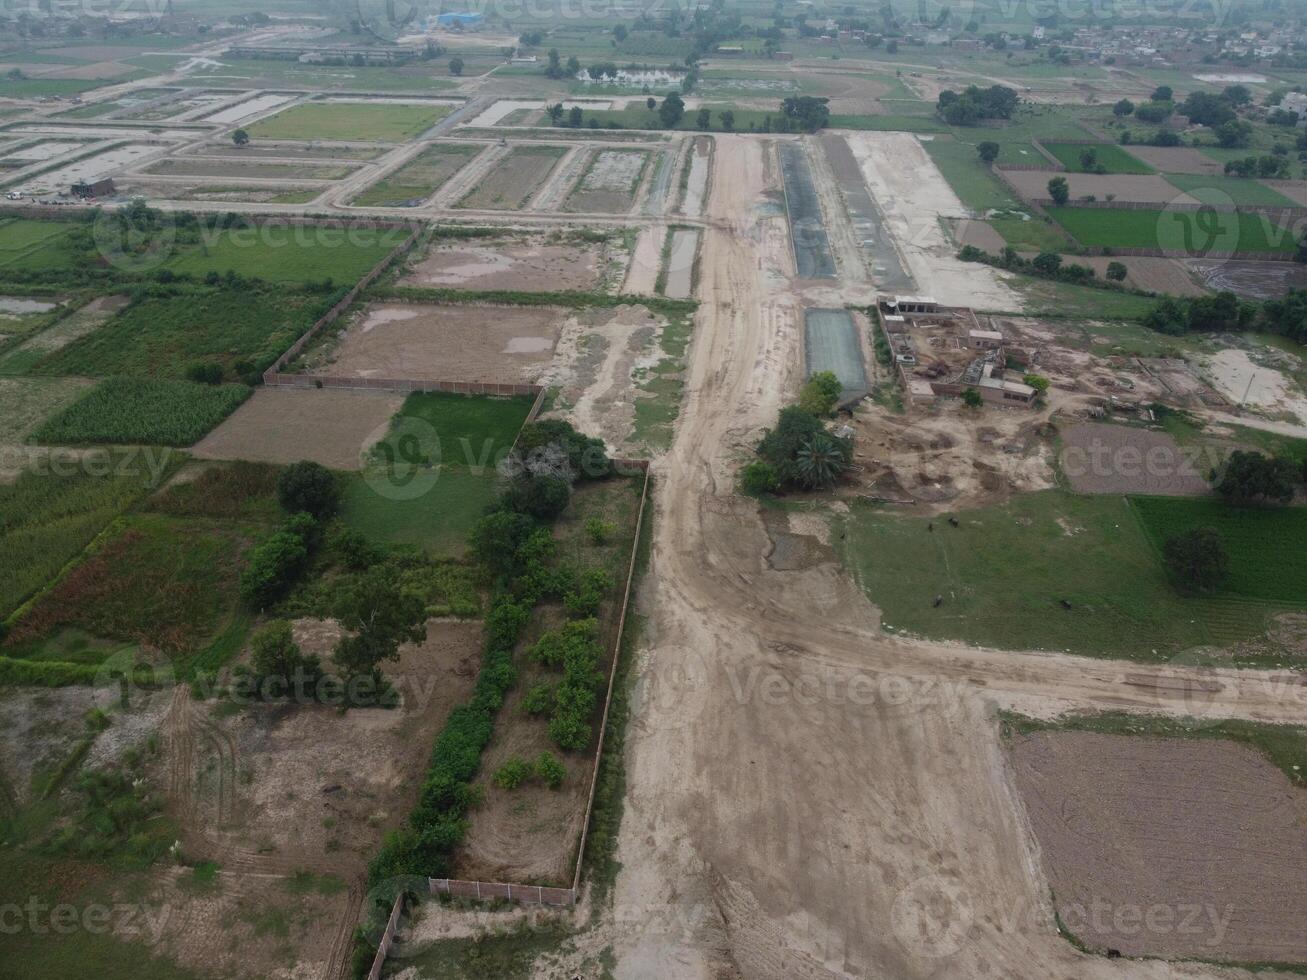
[830, 343]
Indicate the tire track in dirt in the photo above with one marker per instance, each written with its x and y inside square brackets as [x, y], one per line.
[341, 956]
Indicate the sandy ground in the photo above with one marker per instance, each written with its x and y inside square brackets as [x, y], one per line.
[1295, 190]
[914, 197]
[1178, 159]
[1121, 459]
[444, 343]
[775, 824]
[1146, 188]
[1257, 386]
[642, 275]
[1203, 840]
[284, 425]
[510, 265]
[1149, 272]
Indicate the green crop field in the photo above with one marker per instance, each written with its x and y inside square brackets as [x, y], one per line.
[35, 246]
[418, 179]
[974, 184]
[435, 516]
[350, 121]
[1005, 570]
[1108, 155]
[1267, 546]
[46, 521]
[449, 430]
[160, 336]
[1191, 231]
[1229, 190]
[284, 253]
[142, 411]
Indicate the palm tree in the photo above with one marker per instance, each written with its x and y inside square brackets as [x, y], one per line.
[820, 461]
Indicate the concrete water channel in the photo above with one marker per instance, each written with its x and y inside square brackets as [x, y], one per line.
[831, 343]
[813, 257]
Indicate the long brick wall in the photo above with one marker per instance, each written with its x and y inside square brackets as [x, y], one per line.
[489, 890]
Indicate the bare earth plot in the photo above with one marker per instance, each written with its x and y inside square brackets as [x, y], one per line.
[285, 425]
[610, 182]
[421, 177]
[1166, 823]
[251, 169]
[513, 180]
[1141, 188]
[1153, 273]
[507, 345]
[1178, 160]
[526, 265]
[914, 197]
[1104, 458]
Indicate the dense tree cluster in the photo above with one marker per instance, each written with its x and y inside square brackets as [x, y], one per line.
[974, 104]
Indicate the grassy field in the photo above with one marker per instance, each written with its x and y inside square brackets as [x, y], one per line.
[1108, 155]
[281, 253]
[1004, 572]
[142, 412]
[1191, 231]
[1047, 297]
[35, 246]
[45, 521]
[418, 179]
[1033, 234]
[159, 581]
[449, 430]
[1267, 546]
[350, 121]
[434, 514]
[27, 402]
[970, 179]
[160, 336]
[1229, 190]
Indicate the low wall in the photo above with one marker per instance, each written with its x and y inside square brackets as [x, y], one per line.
[485, 890]
[387, 938]
[399, 384]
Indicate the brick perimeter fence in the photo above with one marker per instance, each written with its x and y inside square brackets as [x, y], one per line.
[387, 938]
[522, 894]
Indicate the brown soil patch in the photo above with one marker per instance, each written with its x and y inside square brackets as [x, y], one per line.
[443, 343]
[520, 266]
[980, 234]
[285, 425]
[282, 787]
[1144, 188]
[1295, 190]
[1149, 272]
[1123, 459]
[514, 178]
[1177, 159]
[1194, 849]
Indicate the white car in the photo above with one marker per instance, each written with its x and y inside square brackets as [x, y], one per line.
[14, 196]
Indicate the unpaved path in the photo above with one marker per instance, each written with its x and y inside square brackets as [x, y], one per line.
[808, 796]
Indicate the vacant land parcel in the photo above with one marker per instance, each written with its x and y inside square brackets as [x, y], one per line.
[421, 177]
[410, 341]
[523, 263]
[1188, 231]
[513, 180]
[610, 182]
[376, 120]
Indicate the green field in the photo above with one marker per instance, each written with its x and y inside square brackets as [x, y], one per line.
[1005, 570]
[418, 179]
[970, 179]
[1109, 156]
[46, 521]
[1051, 298]
[1267, 546]
[284, 253]
[1030, 234]
[1227, 190]
[435, 515]
[1180, 230]
[437, 428]
[35, 246]
[144, 412]
[350, 121]
[160, 336]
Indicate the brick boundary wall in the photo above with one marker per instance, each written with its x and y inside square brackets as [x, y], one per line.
[387, 938]
[399, 384]
[1268, 210]
[486, 890]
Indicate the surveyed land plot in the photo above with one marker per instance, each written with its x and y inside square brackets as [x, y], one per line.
[514, 179]
[379, 120]
[610, 182]
[421, 177]
[1182, 231]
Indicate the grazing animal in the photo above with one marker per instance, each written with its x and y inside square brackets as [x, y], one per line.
[939, 601]
[954, 521]
[1066, 603]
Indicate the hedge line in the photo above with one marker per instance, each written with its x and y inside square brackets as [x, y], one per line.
[568, 298]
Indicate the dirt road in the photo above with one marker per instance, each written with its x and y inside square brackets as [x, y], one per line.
[808, 796]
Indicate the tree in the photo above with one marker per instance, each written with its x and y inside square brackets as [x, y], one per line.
[892, 47]
[1154, 112]
[573, 66]
[651, 103]
[703, 119]
[574, 117]
[1123, 108]
[794, 430]
[1249, 477]
[728, 119]
[971, 398]
[554, 67]
[556, 112]
[1058, 190]
[240, 137]
[1233, 133]
[619, 33]
[1197, 559]
[496, 539]
[1047, 262]
[820, 394]
[378, 616]
[1037, 381]
[988, 151]
[308, 487]
[1116, 271]
[820, 461]
[1162, 93]
[539, 495]
[672, 110]
[1207, 109]
[807, 112]
[759, 478]
[276, 657]
[456, 66]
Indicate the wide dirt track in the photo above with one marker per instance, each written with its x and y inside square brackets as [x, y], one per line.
[808, 796]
